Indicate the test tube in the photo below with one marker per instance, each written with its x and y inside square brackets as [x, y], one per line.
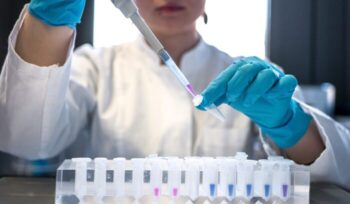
[210, 178]
[263, 179]
[119, 177]
[100, 175]
[212, 109]
[80, 185]
[282, 179]
[137, 178]
[156, 177]
[192, 176]
[174, 177]
[227, 169]
[245, 175]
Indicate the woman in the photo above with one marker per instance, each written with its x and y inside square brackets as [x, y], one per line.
[122, 101]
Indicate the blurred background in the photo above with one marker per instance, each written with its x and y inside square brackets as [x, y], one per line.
[307, 38]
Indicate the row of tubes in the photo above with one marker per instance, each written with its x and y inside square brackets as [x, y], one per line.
[228, 177]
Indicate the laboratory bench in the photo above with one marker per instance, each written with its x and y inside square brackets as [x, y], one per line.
[19, 190]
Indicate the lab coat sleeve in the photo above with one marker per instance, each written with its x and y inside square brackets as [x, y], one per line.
[332, 165]
[42, 109]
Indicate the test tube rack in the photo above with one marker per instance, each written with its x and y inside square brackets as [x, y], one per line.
[182, 180]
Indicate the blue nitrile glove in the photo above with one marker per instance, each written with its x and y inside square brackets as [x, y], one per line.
[58, 12]
[263, 93]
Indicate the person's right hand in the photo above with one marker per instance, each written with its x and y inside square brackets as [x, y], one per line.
[58, 12]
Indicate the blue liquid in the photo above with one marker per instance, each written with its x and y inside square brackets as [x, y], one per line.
[231, 189]
[249, 189]
[267, 190]
[212, 188]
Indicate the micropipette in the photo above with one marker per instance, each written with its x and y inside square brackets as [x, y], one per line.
[129, 10]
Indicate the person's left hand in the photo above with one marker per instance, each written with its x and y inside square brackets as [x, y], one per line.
[263, 93]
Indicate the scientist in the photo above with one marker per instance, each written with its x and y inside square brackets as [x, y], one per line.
[122, 101]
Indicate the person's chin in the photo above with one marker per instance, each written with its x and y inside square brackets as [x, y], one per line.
[171, 26]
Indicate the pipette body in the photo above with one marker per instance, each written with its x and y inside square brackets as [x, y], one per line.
[129, 10]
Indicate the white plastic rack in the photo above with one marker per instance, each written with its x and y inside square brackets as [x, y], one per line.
[176, 180]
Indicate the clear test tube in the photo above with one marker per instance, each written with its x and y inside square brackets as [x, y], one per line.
[192, 177]
[174, 177]
[80, 185]
[263, 179]
[241, 184]
[118, 166]
[210, 178]
[227, 183]
[100, 175]
[275, 191]
[282, 179]
[137, 178]
[212, 109]
[245, 175]
[156, 176]
[249, 167]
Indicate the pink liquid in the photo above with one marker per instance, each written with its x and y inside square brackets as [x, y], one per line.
[156, 192]
[174, 192]
[191, 90]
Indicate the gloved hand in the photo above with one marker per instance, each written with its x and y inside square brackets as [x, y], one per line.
[263, 93]
[58, 12]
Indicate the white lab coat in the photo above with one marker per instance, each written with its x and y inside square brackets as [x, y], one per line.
[120, 101]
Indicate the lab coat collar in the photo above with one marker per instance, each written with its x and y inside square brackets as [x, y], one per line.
[194, 60]
[147, 50]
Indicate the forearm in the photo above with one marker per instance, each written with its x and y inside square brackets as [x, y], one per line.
[309, 148]
[43, 45]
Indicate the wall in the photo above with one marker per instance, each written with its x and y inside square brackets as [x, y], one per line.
[310, 39]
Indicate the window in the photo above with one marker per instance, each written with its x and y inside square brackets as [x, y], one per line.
[237, 27]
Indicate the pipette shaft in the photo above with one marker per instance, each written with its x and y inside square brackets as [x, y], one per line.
[129, 9]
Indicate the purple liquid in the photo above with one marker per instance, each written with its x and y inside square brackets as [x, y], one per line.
[190, 89]
[285, 190]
